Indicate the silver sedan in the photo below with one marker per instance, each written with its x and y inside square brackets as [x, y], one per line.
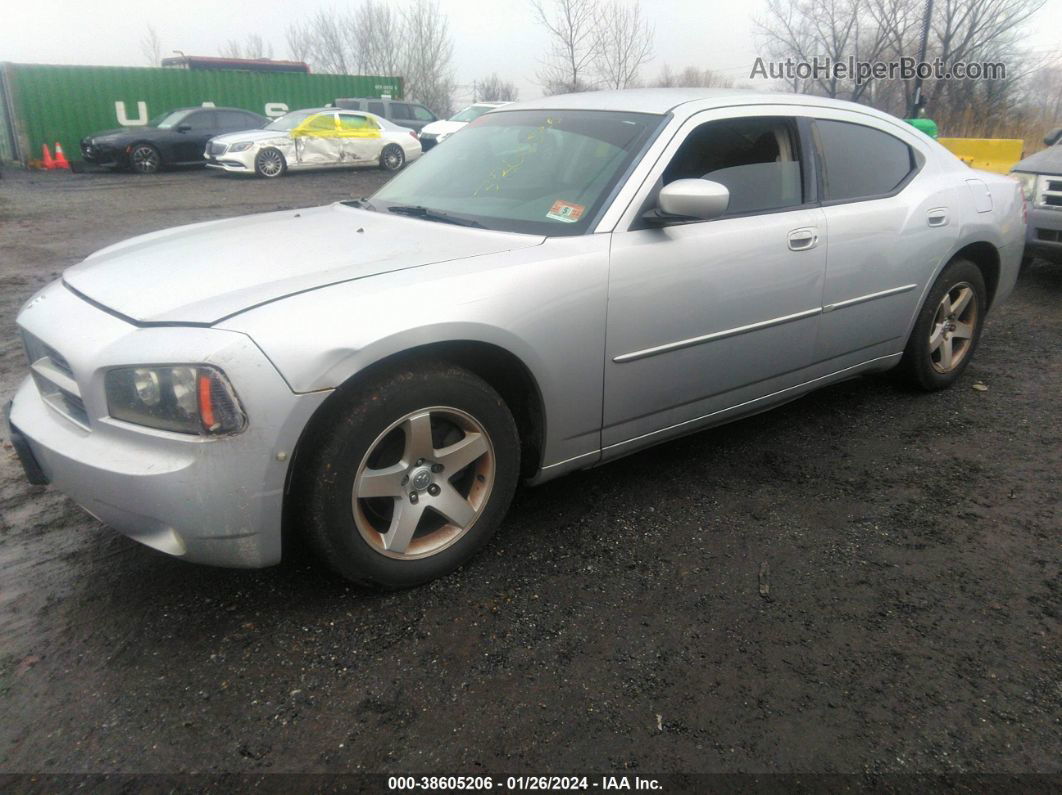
[568, 281]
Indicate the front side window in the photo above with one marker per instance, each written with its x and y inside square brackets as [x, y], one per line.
[534, 171]
[860, 162]
[351, 123]
[323, 123]
[202, 120]
[289, 121]
[421, 113]
[756, 158]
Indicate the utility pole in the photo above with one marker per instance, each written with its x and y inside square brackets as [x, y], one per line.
[916, 101]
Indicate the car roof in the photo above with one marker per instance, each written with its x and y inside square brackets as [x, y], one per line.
[665, 100]
[209, 107]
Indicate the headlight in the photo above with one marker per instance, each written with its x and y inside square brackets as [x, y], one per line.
[243, 146]
[181, 398]
[1028, 183]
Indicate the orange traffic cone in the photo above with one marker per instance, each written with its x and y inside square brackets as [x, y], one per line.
[60, 158]
[46, 158]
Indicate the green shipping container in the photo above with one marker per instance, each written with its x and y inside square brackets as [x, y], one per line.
[42, 104]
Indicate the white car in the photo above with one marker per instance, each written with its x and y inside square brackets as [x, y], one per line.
[438, 131]
[314, 138]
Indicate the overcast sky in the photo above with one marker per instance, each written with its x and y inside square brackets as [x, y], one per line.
[489, 35]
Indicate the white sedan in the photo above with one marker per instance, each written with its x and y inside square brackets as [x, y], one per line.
[314, 138]
[439, 131]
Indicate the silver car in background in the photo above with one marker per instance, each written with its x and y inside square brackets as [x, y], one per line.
[569, 280]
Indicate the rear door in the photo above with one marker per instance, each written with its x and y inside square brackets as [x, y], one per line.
[360, 138]
[890, 225]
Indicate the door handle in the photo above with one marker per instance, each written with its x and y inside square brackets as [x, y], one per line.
[804, 238]
[938, 216]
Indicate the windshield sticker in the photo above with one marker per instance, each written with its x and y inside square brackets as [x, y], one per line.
[565, 211]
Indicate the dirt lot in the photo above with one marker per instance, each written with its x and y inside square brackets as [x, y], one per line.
[867, 581]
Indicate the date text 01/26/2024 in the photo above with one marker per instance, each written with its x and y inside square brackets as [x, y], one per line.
[523, 783]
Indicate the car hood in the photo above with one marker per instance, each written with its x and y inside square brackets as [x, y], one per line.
[1048, 161]
[249, 135]
[206, 272]
[443, 127]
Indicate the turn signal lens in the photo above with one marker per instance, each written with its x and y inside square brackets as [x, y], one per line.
[194, 399]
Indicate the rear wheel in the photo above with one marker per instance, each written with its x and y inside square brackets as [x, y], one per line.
[410, 476]
[145, 159]
[392, 158]
[948, 327]
[270, 163]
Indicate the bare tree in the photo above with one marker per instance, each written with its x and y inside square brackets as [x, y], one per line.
[375, 33]
[329, 52]
[623, 43]
[494, 89]
[692, 77]
[253, 48]
[570, 25]
[300, 41]
[151, 47]
[429, 52]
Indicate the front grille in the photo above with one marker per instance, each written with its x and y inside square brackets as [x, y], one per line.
[1049, 194]
[216, 148]
[55, 380]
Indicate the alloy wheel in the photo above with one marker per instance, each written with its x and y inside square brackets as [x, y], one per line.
[270, 163]
[145, 159]
[393, 158]
[423, 483]
[952, 332]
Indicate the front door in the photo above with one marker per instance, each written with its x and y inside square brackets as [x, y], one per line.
[707, 315]
[317, 140]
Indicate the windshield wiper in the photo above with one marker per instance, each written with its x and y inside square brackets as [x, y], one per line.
[417, 211]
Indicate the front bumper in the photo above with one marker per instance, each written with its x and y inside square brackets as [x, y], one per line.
[1043, 238]
[217, 501]
[236, 163]
[103, 155]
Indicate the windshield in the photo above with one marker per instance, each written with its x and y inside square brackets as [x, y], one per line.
[168, 120]
[532, 171]
[290, 121]
[471, 113]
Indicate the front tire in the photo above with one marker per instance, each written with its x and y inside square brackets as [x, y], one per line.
[270, 163]
[407, 477]
[145, 159]
[392, 158]
[948, 327]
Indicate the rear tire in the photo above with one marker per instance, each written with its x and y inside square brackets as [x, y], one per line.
[392, 158]
[431, 430]
[948, 327]
[270, 163]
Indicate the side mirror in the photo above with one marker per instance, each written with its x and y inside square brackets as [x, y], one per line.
[686, 199]
[1053, 137]
[184, 127]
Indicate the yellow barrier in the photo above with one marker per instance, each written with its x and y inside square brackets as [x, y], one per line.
[990, 154]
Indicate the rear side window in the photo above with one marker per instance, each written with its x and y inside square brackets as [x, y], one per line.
[201, 120]
[232, 120]
[860, 162]
[377, 108]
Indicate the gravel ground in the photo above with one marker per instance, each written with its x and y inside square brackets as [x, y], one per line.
[864, 581]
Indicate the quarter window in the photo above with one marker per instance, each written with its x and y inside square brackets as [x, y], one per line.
[756, 158]
[860, 162]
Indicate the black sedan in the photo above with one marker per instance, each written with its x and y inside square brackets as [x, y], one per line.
[172, 139]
